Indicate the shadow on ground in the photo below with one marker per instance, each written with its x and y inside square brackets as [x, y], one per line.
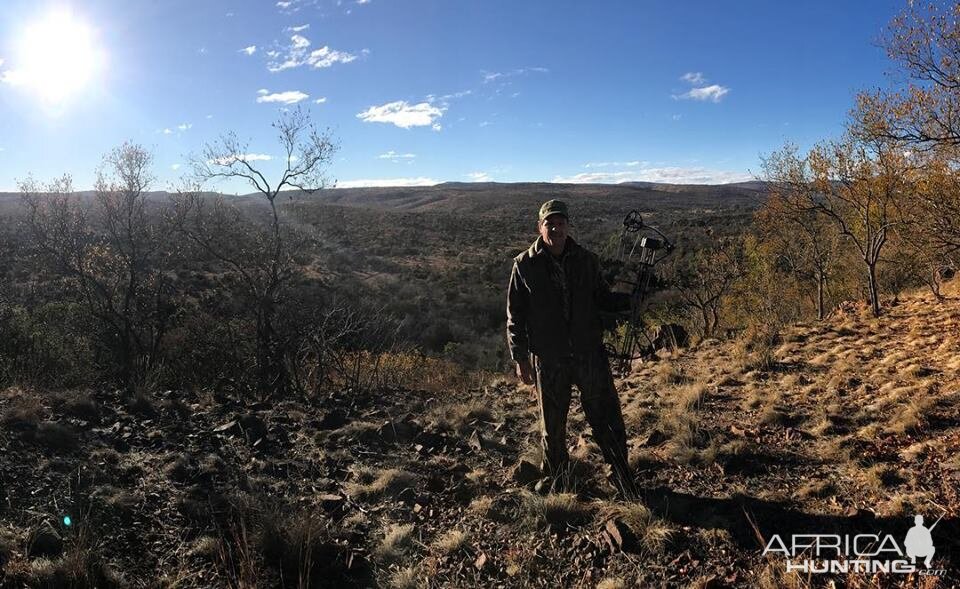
[751, 521]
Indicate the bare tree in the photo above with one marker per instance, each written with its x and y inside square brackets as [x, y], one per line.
[858, 184]
[930, 231]
[924, 115]
[264, 261]
[805, 243]
[113, 251]
[704, 280]
[924, 42]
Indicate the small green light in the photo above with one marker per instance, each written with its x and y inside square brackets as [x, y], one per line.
[66, 520]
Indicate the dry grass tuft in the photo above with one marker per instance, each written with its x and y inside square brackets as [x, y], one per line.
[82, 406]
[668, 373]
[460, 417]
[678, 419]
[755, 350]
[355, 521]
[816, 489]
[372, 485]
[556, 510]
[451, 541]
[23, 413]
[824, 426]
[80, 565]
[397, 541]
[612, 583]
[755, 399]
[205, 548]
[406, 578]
[911, 417]
[684, 435]
[653, 533]
[120, 501]
[141, 403]
[836, 449]
[179, 469]
[56, 436]
[481, 506]
[774, 415]
[690, 397]
[360, 430]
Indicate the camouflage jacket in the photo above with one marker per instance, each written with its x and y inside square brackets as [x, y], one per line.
[545, 321]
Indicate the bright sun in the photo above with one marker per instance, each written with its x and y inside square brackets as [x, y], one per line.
[58, 57]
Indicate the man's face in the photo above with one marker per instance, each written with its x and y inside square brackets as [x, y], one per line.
[553, 230]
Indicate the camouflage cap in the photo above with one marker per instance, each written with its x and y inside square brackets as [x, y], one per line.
[553, 207]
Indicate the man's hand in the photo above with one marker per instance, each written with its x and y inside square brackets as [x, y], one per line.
[525, 371]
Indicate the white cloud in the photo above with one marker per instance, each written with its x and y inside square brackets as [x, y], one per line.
[185, 126]
[320, 100]
[485, 123]
[299, 42]
[241, 157]
[677, 117]
[403, 115]
[631, 164]
[492, 76]
[666, 175]
[381, 182]
[283, 4]
[295, 55]
[249, 50]
[447, 97]
[326, 57]
[297, 29]
[479, 177]
[285, 65]
[209, 116]
[712, 93]
[288, 97]
[175, 167]
[396, 157]
[363, 1]
[700, 92]
[167, 132]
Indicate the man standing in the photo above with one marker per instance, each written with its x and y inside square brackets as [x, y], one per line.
[555, 335]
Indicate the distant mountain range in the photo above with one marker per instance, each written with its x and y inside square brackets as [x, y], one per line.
[496, 198]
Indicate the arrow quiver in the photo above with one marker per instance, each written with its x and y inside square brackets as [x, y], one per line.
[639, 249]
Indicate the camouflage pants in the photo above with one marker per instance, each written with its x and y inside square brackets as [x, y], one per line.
[601, 405]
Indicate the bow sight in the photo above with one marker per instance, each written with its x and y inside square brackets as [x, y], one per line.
[639, 249]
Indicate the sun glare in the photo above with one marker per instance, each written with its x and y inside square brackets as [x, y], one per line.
[58, 57]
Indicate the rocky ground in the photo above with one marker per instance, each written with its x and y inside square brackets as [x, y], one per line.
[848, 425]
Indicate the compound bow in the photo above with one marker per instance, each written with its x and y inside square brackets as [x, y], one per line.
[639, 249]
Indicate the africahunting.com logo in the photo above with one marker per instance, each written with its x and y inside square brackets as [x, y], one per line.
[860, 553]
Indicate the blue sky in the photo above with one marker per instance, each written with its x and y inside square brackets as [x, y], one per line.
[420, 92]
